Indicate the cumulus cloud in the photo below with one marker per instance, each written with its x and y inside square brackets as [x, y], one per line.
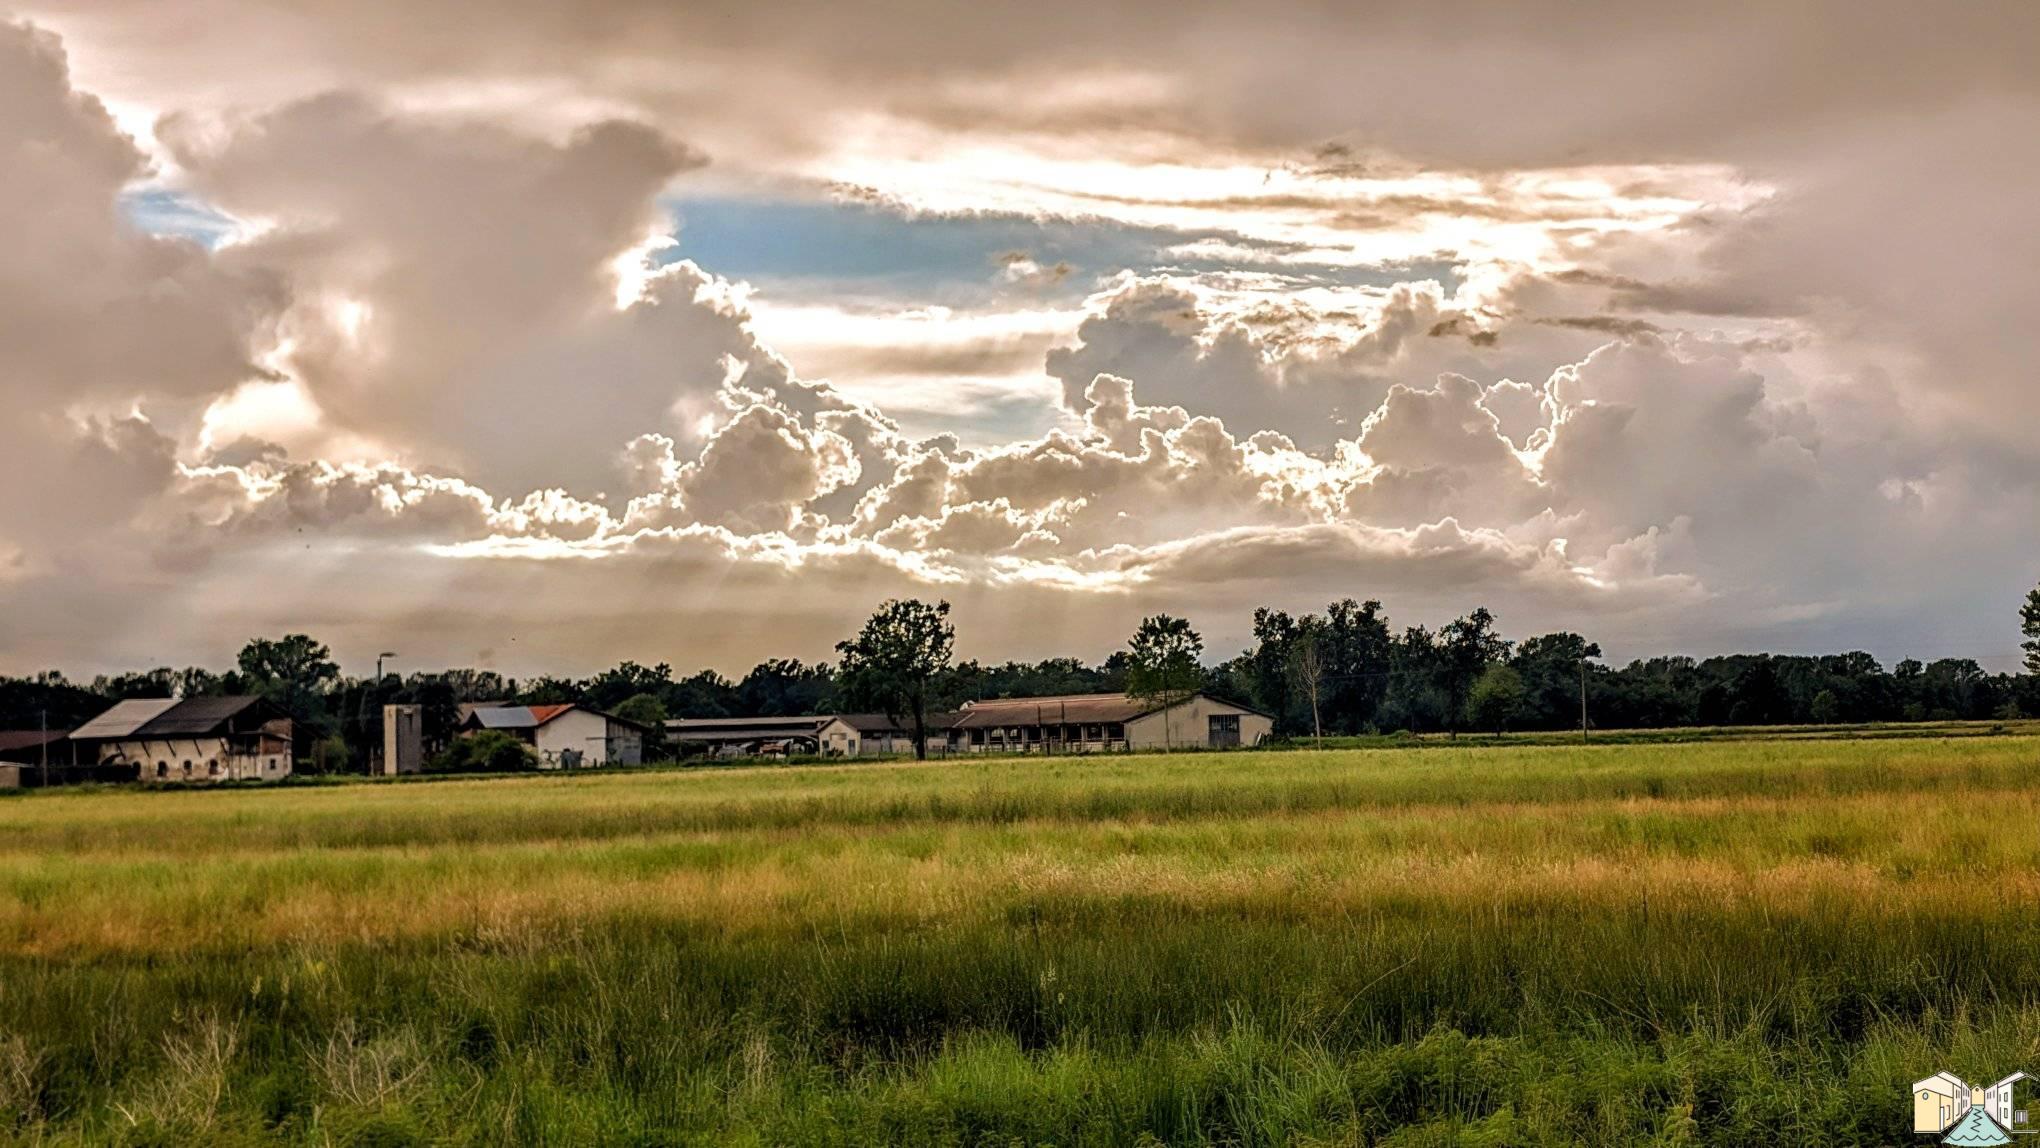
[93, 316]
[1599, 359]
[454, 284]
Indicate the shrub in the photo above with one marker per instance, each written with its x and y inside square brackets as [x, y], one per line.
[489, 751]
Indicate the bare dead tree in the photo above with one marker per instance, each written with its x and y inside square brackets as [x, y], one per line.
[1307, 672]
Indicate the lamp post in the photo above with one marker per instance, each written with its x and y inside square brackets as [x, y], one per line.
[373, 755]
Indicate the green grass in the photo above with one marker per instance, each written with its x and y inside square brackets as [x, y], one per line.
[1712, 943]
[1673, 735]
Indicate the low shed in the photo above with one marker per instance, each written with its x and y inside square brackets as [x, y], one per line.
[1090, 723]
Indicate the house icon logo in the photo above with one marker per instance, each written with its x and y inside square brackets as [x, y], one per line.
[1961, 1113]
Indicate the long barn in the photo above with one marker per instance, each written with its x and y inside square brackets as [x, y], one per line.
[1096, 723]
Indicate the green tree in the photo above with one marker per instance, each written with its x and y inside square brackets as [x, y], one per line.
[1554, 667]
[611, 688]
[2029, 625]
[786, 687]
[438, 698]
[648, 711]
[1165, 668]
[328, 755]
[1826, 708]
[1467, 647]
[896, 663]
[1495, 698]
[490, 750]
[1357, 648]
[293, 672]
[1415, 701]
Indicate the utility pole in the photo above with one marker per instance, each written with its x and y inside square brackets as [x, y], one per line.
[1583, 699]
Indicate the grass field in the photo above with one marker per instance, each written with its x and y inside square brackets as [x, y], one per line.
[1728, 943]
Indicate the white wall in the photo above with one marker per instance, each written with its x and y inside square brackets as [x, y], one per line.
[1189, 725]
[589, 738]
[575, 736]
[839, 739]
[201, 752]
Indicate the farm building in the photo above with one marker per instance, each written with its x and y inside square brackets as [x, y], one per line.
[825, 734]
[32, 757]
[1091, 723]
[33, 746]
[565, 736]
[188, 739]
[880, 733]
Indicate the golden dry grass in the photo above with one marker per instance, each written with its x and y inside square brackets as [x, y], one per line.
[789, 952]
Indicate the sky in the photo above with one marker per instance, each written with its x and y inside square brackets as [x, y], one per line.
[538, 337]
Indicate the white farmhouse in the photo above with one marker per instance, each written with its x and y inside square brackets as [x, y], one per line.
[565, 736]
[190, 739]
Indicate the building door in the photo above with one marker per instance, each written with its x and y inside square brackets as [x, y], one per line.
[1225, 731]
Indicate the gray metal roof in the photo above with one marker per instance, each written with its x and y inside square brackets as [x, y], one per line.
[745, 729]
[505, 717]
[165, 717]
[1073, 709]
[123, 719]
[880, 723]
[196, 716]
[532, 717]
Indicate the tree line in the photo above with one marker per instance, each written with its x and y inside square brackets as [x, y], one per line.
[1342, 671]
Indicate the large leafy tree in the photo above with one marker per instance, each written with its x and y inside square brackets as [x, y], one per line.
[611, 688]
[1165, 667]
[648, 711]
[1415, 699]
[2029, 624]
[1495, 699]
[896, 663]
[1268, 669]
[1358, 649]
[706, 694]
[1555, 669]
[1467, 647]
[786, 687]
[1353, 648]
[294, 672]
[46, 700]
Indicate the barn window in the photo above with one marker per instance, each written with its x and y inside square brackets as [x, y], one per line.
[162, 769]
[213, 767]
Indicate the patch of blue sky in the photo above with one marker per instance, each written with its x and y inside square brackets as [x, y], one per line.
[163, 211]
[816, 247]
[805, 246]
